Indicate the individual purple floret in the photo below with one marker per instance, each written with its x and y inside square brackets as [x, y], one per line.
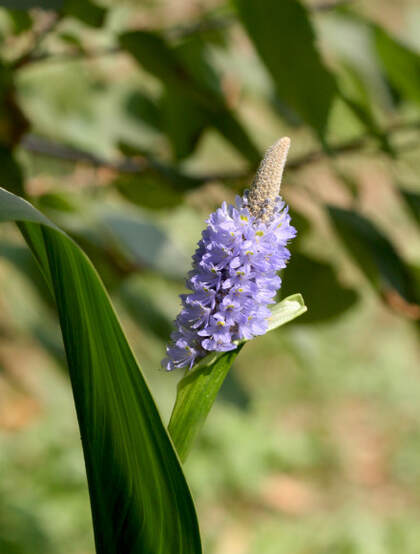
[234, 275]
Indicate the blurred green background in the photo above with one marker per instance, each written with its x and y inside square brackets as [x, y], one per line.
[127, 123]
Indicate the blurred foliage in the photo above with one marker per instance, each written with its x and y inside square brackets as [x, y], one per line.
[289, 53]
[127, 123]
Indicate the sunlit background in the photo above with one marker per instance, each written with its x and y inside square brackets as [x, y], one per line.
[128, 142]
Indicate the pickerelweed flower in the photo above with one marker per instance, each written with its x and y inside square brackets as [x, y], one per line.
[234, 274]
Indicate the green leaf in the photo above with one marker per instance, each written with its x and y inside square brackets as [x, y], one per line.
[374, 253]
[186, 73]
[197, 391]
[143, 107]
[142, 307]
[10, 171]
[400, 63]
[283, 36]
[323, 283]
[363, 111]
[183, 132]
[13, 122]
[72, 40]
[86, 11]
[148, 189]
[22, 21]
[412, 200]
[139, 497]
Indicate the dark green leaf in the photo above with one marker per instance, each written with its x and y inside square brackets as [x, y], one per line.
[149, 189]
[366, 117]
[400, 63]
[155, 55]
[139, 496]
[144, 309]
[10, 171]
[85, 10]
[412, 199]
[284, 38]
[301, 222]
[72, 40]
[183, 132]
[22, 21]
[355, 93]
[13, 123]
[142, 107]
[317, 280]
[197, 391]
[373, 252]
[186, 72]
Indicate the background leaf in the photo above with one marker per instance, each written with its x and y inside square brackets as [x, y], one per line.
[400, 63]
[140, 500]
[85, 10]
[285, 41]
[323, 284]
[187, 75]
[374, 254]
[412, 199]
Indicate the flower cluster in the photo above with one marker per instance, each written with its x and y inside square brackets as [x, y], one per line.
[233, 281]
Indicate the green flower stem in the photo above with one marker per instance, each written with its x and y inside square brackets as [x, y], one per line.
[198, 389]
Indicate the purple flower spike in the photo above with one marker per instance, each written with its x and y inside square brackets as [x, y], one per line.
[234, 276]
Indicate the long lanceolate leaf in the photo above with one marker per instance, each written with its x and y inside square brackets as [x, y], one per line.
[140, 499]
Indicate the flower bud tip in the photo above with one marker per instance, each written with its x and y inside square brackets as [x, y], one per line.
[266, 185]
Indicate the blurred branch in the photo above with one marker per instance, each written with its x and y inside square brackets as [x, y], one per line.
[138, 165]
[332, 5]
[70, 56]
[39, 36]
[45, 147]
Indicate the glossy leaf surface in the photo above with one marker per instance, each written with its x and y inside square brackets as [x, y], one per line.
[139, 496]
